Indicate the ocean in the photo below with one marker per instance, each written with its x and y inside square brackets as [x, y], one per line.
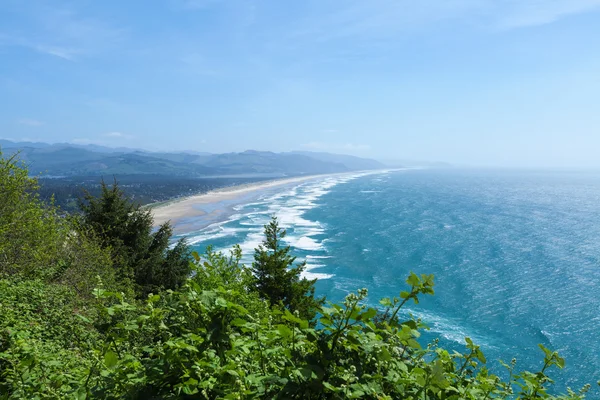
[515, 254]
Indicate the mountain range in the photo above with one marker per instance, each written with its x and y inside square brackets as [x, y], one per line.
[65, 159]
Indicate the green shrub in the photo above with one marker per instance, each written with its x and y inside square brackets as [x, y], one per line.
[37, 242]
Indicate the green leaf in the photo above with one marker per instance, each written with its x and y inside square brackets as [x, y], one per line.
[196, 256]
[386, 302]
[84, 319]
[367, 315]
[221, 302]
[239, 322]
[111, 359]
[284, 331]
[413, 279]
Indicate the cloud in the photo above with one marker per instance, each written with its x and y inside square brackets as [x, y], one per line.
[541, 12]
[66, 54]
[347, 147]
[30, 122]
[22, 139]
[107, 139]
[31, 140]
[59, 31]
[118, 135]
[385, 19]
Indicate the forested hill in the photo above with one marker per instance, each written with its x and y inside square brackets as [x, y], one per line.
[73, 160]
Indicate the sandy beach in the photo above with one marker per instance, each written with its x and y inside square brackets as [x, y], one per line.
[180, 210]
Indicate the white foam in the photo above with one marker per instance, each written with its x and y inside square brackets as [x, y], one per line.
[448, 329]
[308, 274]
[289, 207]
[215, 231]
[304, 243]
[210, 236]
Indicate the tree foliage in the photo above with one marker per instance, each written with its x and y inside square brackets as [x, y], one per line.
[36, 241]
[278, 280]
[140, 255]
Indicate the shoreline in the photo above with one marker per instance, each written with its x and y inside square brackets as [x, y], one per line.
[178, 210]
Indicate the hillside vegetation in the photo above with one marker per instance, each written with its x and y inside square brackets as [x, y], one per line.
[99, 306]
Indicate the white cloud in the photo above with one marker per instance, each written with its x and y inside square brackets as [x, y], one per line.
[23, 139]
[387, 18]
[60, 31]
[118, 135]
[541, 12]
[31, 140]
[66, 54]
[107, 139]
[30, 122]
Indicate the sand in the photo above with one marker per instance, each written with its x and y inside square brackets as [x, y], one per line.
[191, 206]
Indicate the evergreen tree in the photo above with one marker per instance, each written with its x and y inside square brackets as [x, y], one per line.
[275, 278]
[139, 254]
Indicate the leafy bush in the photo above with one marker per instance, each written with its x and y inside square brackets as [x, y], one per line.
[195, 343]
[36, 242]
[44, 339]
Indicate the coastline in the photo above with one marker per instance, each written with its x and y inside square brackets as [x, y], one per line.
[181, 211]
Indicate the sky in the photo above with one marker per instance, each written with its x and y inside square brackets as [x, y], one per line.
[470, 82]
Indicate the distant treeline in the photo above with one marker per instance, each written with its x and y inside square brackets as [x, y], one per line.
[142, 189]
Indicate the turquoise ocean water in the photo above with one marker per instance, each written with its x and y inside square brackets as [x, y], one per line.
[516, 255]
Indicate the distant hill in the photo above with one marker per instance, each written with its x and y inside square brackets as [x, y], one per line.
[7, 144]
[351, 162]
[87, 160]
[264, 161]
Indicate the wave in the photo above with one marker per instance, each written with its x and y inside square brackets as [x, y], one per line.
[290, 207]
[308, 274]
[455, 331]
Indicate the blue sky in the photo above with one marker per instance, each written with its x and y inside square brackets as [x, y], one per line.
[480, 82]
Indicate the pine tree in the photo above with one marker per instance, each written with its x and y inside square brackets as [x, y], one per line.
[275, 278]
[139, 254]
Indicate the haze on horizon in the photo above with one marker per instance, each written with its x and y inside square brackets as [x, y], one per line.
[478, 82]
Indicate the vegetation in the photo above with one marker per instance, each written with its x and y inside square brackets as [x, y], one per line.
[138, 253]
[36, 243]
[141, 188]
[276, 280]
[227, 332]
